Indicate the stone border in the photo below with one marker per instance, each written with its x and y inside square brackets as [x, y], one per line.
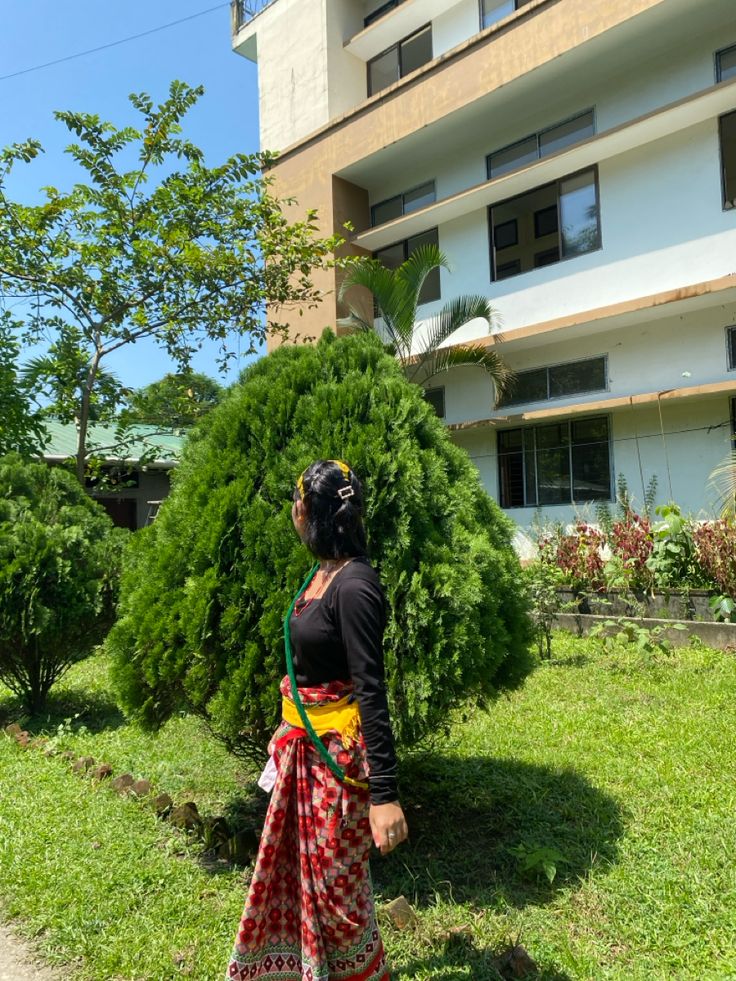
[721, 636]
[236, 847]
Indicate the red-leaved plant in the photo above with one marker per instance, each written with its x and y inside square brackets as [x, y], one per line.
[630, 540]
[715, 546]
[578, 555]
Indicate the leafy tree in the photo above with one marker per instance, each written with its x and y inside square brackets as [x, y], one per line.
[199, 254]
[418, 344]
[21, 428]
[59, 568]
[206, 586]
[176, 401]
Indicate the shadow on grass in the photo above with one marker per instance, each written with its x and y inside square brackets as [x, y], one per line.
[473, 822]
[95, 710]
[466, 963]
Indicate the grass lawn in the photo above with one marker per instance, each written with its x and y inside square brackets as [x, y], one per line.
[618, 770]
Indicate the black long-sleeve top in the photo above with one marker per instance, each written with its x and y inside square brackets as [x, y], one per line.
[338, 637]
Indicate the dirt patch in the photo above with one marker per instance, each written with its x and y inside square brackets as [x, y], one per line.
[17, 963]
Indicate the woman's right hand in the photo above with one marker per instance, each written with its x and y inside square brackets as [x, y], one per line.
[388, 826]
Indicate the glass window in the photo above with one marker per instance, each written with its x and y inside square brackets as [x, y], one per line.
[726, 64]
[557, 381]
[561, 463]
[566, 134]
[728, 159]
[380, 12]
[383, 70]
[731, 344]
[392, 256]
[493, 10]
[436, 398]
[513, 157]
[554, 221]
[387, 210]
[416, 50]
[577, 376]
[419, 197]
[538, 145]
[579, 214]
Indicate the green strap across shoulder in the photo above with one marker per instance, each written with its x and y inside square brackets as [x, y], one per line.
[318, 744]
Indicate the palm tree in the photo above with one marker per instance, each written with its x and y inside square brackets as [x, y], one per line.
[419, 344]
[723, 481]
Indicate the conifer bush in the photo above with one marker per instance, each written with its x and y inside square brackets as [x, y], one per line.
[59, 571]
[207, 585]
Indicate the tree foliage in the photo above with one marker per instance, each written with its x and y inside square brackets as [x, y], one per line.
[419, 344]
[59, 568]
[176, 401]
[152, 244]
[206, 586]
[21, 426]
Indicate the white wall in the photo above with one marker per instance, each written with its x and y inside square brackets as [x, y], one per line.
[461, 22]
[347, 75]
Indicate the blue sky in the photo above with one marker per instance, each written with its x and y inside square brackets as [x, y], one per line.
[196, 51]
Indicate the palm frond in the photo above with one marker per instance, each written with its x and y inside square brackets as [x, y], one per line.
[386, 289]
[453, 316]
[722, 480]
[463, 355]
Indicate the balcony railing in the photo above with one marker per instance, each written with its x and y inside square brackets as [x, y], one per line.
[243, 11]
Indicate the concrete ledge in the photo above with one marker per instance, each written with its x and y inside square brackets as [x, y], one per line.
[721, 636]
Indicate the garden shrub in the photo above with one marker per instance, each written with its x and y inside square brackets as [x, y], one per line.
[579, 556]
[207, 585]
[59, 569]
[715, 546]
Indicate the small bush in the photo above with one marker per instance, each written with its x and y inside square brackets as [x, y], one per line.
[715, 546]
[59, 568]
[208, 583]
[579, 556]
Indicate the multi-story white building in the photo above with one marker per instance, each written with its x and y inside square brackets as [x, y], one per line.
[576, 161]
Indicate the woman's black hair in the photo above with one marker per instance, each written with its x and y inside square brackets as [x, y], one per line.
[333, 500]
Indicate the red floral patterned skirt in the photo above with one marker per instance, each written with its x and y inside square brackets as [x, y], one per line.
[309, 915]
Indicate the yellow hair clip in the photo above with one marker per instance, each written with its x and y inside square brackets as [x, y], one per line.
[344, 467]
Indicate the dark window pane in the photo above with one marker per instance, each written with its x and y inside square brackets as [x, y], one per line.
[380, 12]
[386, 210]
[577, 376]
[392, 256]
[546, 258]
[528, 386]
[579, 214]
[506, 269]
[726, 64]
[436, 398]
[419, 197]
[506, 234]
[728, 159]
[591, 465]
[493, 10]
[530, 468]
[553, 475]
[590, 430]
[556, 434]
[731, 337]
[510, 439]
[383, 70]
[545, 221]
[511, 477]
[416, 50]
[513, 157]
[566, 134]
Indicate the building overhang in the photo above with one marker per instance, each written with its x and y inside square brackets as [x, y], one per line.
[710, 390]
[682, 114]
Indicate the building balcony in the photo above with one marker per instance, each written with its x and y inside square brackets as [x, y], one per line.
[705, 104]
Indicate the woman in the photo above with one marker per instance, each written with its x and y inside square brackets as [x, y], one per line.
[309, 915]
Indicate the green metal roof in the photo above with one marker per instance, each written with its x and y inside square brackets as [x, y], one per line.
[63, 443]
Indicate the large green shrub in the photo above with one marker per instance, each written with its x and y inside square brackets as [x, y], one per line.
[208, 583]
[59, 569]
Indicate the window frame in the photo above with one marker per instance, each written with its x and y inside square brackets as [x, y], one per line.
[717, 60]
[397, 45]
[731, 347]
[562, 258]
[380, 12]
[402, 195]
[537, 136]
[563, 364]
[573, 501]
[727, 204]
[518, 5]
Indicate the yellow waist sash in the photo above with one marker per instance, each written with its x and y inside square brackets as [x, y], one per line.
[342, 717]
